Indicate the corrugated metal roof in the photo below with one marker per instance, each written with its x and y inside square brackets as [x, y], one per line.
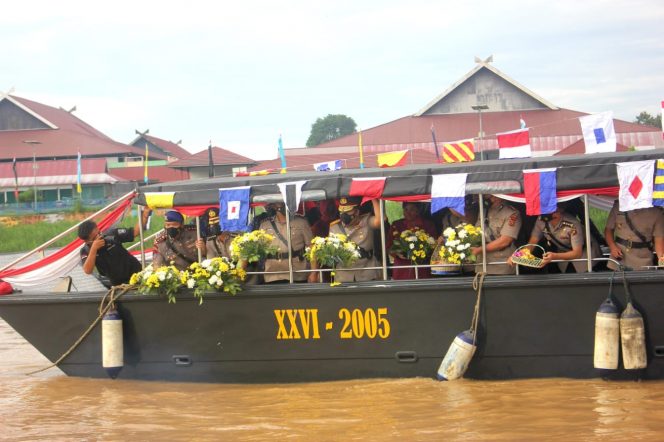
[219, 156]
[156, 174]
[175, 150]
[55, 172]
[71, 136]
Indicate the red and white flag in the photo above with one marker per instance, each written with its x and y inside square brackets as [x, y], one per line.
[514, 144]
[367, 188]
[636, 181]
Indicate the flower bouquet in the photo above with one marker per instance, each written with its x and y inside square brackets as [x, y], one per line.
[414, 244]
[164, 280]
[332, 251]
[455, 248]
[216, 274]
[252, 246]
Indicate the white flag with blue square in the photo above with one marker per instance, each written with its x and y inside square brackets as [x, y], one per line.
[598, 132]
[234, 209]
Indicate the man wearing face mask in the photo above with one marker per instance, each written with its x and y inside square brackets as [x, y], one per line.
[176, 244]
[358, 227]
[218, 243]
[106, 253]
[275, 225]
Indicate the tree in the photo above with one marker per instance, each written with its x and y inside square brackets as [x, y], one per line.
[648, 120]
[330, 128]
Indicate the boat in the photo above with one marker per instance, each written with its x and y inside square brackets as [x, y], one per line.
[529, 325]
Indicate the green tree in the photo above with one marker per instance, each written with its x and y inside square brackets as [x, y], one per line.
[330, 128]
[648, 120]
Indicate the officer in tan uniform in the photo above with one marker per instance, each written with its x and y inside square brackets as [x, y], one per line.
[502, 226]
[218, 243]
[176, 244]
[632, 236]
[565, 239]
[301, 235]
[358, 228]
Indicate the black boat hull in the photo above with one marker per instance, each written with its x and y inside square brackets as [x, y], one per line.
[530, 326]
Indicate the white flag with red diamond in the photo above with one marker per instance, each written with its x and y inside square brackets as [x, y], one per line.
[636, 180]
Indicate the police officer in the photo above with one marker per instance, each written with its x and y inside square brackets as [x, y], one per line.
[176, 244]
[358, 227]
[565, 240]
[218, 243]
[633, 235]
[501, 229]
[275, 225]
[106, 253]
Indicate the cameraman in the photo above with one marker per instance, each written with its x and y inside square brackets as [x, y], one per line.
[105, 251]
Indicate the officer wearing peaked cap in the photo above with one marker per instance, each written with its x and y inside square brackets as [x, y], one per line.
[218, 243]
[176, 244]
[358, 227]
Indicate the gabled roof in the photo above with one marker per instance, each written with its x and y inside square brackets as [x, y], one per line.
[19, 103]
[156, 174]
[69, 136]
[480, 66]
[221, 157]
[168, 147]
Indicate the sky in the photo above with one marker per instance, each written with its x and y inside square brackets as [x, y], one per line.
[241, 73]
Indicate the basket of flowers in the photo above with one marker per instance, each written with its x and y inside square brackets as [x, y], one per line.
[216, 274]
[524, 256]
[252, 246]
[333, 251]
[454, 250]
[415, 244]
[164, 281]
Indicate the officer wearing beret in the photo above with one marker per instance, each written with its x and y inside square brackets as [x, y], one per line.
[633, 235]
[275, 225]
[358, 227]
[501, 226]
[176, 244]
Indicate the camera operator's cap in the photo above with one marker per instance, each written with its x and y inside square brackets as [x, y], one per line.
[213, 215]
[174, 216]
[346, 204]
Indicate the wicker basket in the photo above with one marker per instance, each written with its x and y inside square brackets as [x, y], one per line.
[536, 262]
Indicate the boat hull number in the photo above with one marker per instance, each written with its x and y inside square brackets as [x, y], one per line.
[305, 323]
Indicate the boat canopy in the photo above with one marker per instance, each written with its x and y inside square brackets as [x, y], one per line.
[575, 173]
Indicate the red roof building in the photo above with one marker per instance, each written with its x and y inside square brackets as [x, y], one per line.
[226, 163]
[452, 117]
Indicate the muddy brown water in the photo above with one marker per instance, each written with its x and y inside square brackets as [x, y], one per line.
[53, 407]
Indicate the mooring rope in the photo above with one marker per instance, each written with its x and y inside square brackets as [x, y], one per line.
[478, 282]
[103, 309]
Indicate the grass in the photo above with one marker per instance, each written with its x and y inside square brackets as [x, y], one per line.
[26, 235]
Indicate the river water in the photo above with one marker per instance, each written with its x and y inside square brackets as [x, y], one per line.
[52, 407]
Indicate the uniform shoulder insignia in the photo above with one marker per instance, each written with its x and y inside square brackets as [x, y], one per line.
[190, 227]
[336, 221]
[567, 224]
[161, 237]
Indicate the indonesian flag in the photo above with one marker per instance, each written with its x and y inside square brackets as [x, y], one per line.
[392, 159]
[448, 190]
[636, 181]
[539, 188]
[459, 151]
[514, 144]
[367, 188]
[598, 132]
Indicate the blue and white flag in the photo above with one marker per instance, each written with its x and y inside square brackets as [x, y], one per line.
[598, 132]
[448, 190]
[234, 209]
[327, 166]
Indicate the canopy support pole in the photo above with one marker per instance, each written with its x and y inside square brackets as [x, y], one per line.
[483, 227]
[198, 236]
[290, 247]
[382, 237]
[139, 214]
[589, 249]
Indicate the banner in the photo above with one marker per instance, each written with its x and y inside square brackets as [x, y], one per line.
[367, 188]
[392, 159]
[234, 209]
[539, 188]
[636, 185]
[514, 144]
[448, 190]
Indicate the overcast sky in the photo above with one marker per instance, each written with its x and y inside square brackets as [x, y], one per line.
[241, 73]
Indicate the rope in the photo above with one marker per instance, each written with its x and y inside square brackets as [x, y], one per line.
[478, 282]
[103, 309]
[628, 295]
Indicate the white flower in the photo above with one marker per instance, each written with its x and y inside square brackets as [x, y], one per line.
[169, 275]
[463, 234]
[190, 283]
[412, 238]
[449, 231]
[411, 246]
[161, 276]
[462, 255]
[461, 247]
[218, 273]
[206, 263]
[220, 282]
[213, 279]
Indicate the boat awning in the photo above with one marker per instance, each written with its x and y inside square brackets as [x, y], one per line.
[596, 171]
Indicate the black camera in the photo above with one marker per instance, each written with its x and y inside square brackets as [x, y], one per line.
[109, 239]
